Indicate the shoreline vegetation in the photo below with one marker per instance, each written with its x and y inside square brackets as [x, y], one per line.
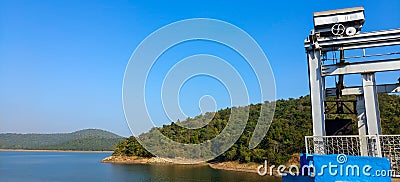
[292, 121]
[78, 151]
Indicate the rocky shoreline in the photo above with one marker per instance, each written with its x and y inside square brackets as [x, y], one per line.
[235, 166]
[230, 166]
[134, 160]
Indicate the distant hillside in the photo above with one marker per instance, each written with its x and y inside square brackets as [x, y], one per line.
[88, 139]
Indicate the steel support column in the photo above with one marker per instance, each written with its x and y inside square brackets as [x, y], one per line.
[317, 91]
[372, 112]
[371, 104]
[362, 125]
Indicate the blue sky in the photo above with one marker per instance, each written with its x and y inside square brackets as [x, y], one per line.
[62, 62]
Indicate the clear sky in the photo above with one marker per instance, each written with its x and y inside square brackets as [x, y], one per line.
[62, 62]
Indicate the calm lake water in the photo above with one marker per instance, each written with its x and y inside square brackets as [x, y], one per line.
[71, 166]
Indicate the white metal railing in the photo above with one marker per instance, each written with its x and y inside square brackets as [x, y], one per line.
[366, 145]
[390, 148]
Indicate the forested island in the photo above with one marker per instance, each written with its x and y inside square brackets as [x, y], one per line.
[285, 138]
[83, 140]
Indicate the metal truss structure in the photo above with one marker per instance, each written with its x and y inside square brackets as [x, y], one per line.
[366, 95]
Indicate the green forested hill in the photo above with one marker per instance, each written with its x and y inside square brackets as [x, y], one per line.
[89, 139]
[292, 121]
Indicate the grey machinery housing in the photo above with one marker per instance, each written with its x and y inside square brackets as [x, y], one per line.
[341, 22]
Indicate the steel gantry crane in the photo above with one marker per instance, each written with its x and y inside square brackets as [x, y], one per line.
[339, 31]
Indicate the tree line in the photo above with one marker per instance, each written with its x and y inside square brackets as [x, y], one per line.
[292, 121]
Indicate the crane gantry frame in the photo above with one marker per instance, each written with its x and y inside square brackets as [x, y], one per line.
[367, 99]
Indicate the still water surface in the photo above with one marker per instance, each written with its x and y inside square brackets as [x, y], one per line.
[72, 166]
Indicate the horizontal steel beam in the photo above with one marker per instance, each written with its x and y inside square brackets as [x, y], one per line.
[361, 67]
[386, 88]
[360, 41]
